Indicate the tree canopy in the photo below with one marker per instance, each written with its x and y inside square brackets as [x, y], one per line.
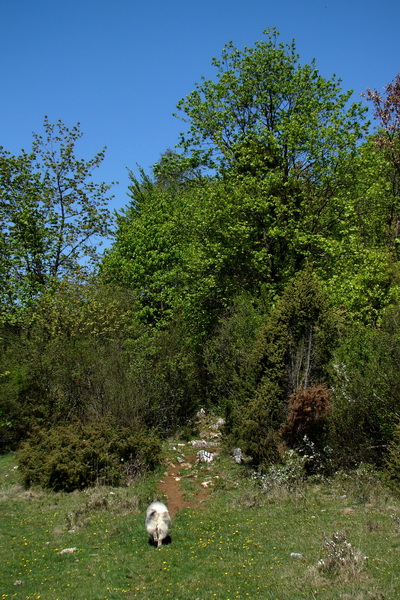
[52, 215]
[265, 111]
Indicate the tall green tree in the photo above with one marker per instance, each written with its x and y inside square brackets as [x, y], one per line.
[275, 140]
[265, 111]
[52, 215]
[291, 353]
[387, 142]
[288, 136]
[148, 250]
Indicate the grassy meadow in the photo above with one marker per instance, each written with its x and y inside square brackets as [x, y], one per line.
[241, 543]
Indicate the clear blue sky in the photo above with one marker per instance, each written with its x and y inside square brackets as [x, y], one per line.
[120, 66]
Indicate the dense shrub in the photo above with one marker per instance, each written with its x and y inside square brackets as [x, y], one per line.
[66, 360]
[393, 460]
[76, 456]
[83, 355]
[163, 378]
[366, 401]
[255, 424]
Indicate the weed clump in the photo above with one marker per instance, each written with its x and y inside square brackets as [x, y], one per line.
[75, 456]
[289, 475]
[340, 557]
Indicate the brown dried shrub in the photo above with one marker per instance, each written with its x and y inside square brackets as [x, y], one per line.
[308, 412]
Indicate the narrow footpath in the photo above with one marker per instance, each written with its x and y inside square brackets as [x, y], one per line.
[192, 467]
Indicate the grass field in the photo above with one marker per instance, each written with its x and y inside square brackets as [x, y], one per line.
[240, 544]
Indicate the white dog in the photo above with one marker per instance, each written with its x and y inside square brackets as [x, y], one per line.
[157, 522]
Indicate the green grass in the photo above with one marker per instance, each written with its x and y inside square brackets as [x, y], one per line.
[238, 546]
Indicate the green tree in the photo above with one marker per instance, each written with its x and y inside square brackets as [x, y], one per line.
[279, 138]
[51, 215]
[148, 250]
[283, 140]
[291, 353]
[361, 268]
[68, 360]
[266, 110]
[387, 141]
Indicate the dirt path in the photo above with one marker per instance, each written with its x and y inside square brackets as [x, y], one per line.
[171, 487]
[187, 482]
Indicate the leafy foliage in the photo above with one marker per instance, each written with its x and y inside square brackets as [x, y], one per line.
[50, 214]
[227, 353]
[393, 459]
[264, 101]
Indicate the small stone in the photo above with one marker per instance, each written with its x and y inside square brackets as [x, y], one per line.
[296, 555]
[218, 423]
[206, 484]
[237, 456]
[204, 456]
[203, 444]
[68, 550]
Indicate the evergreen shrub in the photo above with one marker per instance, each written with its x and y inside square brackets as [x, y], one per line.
[393, 460]
[75, 456]
[366, 399]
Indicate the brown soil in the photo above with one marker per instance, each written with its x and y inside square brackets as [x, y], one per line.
[182, 465]
[170, 487]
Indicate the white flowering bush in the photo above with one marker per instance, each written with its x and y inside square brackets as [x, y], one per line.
[289, 475]
[317, 461]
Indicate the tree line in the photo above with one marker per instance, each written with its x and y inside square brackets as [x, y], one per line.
[254, 271]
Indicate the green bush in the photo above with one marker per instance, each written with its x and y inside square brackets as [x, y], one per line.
[227, 354]
[76, 456]
[254, 425]
[393, 460]
[366, 399]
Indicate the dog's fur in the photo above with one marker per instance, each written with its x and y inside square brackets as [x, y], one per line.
[157, 522]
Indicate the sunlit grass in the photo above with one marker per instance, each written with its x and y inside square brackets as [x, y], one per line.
[226, 550]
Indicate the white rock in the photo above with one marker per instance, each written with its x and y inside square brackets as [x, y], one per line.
[204, 456]
[218, 423]
[237, 456]
[68, 550]
[203, 444]
[206, 484]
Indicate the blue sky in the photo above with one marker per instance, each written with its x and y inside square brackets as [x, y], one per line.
[120, 66]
